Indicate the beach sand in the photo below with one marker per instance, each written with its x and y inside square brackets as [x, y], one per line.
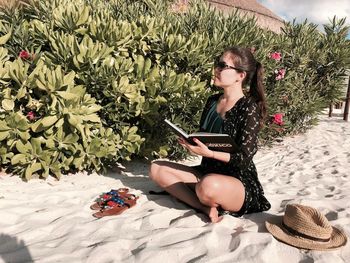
[50, 221]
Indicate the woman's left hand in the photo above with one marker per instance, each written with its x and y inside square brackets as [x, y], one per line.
[199, 149]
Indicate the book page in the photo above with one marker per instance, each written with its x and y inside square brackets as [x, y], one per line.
[176, 129]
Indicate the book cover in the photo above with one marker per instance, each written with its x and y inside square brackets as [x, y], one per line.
[214, 141]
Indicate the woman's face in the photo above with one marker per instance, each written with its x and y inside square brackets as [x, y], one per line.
[225, 74]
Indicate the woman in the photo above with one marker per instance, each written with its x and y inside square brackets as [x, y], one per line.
[224, 183]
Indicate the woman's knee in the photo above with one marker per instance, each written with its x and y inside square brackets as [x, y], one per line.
[157, 170]
[226, 191]
[208, 189]
[154, 170]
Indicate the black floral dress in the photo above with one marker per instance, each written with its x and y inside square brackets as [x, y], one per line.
[241, 122]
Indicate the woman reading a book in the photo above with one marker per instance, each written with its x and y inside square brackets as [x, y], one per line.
[224, 183]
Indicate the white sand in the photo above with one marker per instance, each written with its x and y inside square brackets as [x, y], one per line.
[50, 221]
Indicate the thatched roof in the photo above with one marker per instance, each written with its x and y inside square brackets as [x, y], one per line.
[265, 17]
[13, 3]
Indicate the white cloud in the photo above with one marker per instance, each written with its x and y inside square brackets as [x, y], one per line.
[316, 11]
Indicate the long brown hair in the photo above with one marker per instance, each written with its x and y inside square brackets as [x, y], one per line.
[244, 60]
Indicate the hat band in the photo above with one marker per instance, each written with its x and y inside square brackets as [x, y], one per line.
[294, 232]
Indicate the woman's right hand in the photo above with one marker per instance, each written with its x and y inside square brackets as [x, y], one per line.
[199, 149]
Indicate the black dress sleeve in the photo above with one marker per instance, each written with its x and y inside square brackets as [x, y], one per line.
[246, 136]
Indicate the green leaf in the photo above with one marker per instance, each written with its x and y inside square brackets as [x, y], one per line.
[78, 161]
[21, 93]
[67, 95]
[18, 159]
[71, 138]
[23, 148]
[50, 143]
[44, 123]
[41, 85]
[35, 167]
[18, 121]
[91, 118]
[56, 172]
[4, 126]
[45, 174]
[3, 54]
[74, 120]
[3, 135]
[36, 145]
[5, 38]
[84, 16]
[24, 135]
[8, 104]
[28, 173]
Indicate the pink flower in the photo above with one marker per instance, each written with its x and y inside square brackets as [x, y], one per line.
[278, 119]
[24, 55]
[276, 56]
[280, 73]
[31, 116]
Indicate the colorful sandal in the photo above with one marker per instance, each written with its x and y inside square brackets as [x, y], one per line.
[100, 204]
[116, 207]
[105, 197]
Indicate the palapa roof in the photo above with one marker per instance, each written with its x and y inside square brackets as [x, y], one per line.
[264, 16]
[13, 3]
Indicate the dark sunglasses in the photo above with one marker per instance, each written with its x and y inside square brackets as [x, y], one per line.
[221, 65]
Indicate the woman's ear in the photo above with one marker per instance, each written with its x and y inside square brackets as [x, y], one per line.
[242, 75]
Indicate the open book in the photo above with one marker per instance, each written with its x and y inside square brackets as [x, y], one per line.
[214, 141]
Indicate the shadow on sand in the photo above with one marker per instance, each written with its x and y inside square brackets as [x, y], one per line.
[13, 250]
[136, 177]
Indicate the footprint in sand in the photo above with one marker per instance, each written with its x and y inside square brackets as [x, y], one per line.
[284, 203]
[331, 188]
[331, 216]
[319, 176]
[303, 192]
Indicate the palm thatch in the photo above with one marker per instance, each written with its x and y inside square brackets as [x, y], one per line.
[265, 17]
[13, 3]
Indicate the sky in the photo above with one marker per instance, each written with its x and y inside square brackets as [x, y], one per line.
[316, 11]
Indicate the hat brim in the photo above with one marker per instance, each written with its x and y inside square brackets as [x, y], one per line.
[338, 238]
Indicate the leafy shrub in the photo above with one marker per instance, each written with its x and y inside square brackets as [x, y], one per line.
[86, 83]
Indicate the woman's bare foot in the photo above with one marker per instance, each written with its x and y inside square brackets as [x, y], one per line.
[213, 214]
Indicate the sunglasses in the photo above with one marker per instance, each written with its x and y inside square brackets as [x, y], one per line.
[221, 65]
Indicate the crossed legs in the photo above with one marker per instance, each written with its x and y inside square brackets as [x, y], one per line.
[205, 193]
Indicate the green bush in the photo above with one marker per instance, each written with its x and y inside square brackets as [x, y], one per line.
[87, 83]
[48, 123]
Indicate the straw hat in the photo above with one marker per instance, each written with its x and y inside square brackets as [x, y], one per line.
[305, 227]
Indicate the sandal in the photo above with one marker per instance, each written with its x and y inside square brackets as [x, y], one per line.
[116, 207]
[105, 197]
